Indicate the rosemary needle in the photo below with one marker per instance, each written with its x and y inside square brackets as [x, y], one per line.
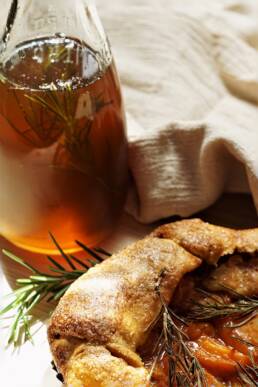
[40, 286]
[184, 369]
[242, 310]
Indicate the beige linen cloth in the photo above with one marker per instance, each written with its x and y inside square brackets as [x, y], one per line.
[189, 70]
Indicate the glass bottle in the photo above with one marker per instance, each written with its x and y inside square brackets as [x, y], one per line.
[63, 148]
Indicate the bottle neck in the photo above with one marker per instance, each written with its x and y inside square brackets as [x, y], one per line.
[33, 19]
[50, 17]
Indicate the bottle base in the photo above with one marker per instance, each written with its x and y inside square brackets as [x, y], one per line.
[45, 251]
[67, 249]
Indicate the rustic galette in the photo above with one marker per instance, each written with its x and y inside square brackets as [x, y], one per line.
[178, 308]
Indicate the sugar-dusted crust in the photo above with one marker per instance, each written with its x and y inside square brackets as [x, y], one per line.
[207, 241]
[103, 319]
[238, 274]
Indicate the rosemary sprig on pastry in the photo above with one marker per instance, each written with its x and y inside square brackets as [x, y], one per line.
[39, 286]
[184, 368]
[173, 343]
[117, 312]
[243, 309]
[249, 374]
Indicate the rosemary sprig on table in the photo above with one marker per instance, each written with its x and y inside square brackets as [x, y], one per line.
[213, 307]
[41, 286]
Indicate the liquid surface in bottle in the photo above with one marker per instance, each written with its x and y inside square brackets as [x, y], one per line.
[62, 145]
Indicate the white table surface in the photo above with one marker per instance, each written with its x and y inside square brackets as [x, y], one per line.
[30, 365]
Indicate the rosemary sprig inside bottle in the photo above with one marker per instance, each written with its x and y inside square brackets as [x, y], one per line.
[43, 286]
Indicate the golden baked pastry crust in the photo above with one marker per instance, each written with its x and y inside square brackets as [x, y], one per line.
[207, 241]
[104, 317]
[109, 310]
[238, 274]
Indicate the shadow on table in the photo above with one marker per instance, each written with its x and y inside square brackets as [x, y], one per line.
[231, 210]
[50, 379]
